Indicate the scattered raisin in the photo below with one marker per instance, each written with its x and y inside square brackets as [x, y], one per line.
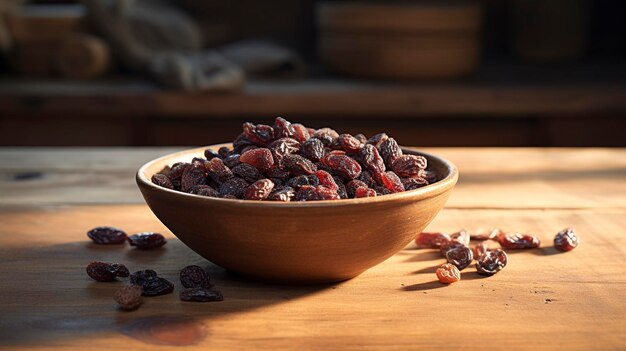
[460, 256]
[162, 180]
[106, 272]
[518, 241]
[107, 235]
[461, 237]
[195, 277]
[566, 240]
[201, 294]
[448, 273]
[479, 250]
[147, 240]
[152, 284]
[129, 297]
[450, 245]
[431, 240]
[485, 234]
[491, 262]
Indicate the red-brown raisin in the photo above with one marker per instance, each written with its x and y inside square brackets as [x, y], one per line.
[431, 240]
[326, 135]
[298, 165]
[392, 182]
[301, 133]
[284, 194]
[107, 235]
[518, 241]
[195, 277]
[147, 240]
[491, 262]
[248, 172]
[371, 160]
[152, 284]
[347, 143]
[343, 165]
[260, 158]
[218, 171]
[106, 272]
[259, 134]
[364, 192]
[193, 176]
[448, 274]
[282, 147]
[408, 166]
[326, 180]
[283, 128]
[313, 149]
[204, 190]
[128, 298]
[566, 240]
[389, 151]
[259, 190]
[460, 256]
[201, 295]
[162, 180]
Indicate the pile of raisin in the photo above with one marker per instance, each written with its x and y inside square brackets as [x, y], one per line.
[456, 249]
[290, 162]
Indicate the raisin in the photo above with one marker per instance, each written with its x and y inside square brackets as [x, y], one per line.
[347, 143]
[248, 172]
[282, 147]
[128, 298]
[277, 173]
[491, 262]
[324, 193]
[210, 153]
[430, 176]
[326, 180]
[241, 142]
[233, 187]
[229, 196]
[306, 193]
[460, 256]
[107, 235]
[479, 250]
[218, 171]
[408, 166]
[389, 151]
[392, 182]
[381, 190]
[152, 284]
[285, 195]
[448, 274]
[106, 272]
[566, 240]
[461, 237]
[313, 149]
[431, 240]
[301, 133]
[223, 151]
[413, 183]
[518, 241]
[193, 176]
[259, 190]
[361, 138]
[198, 162]
[364, 192]
[204, 190]
[176, 173]
[343, 165]
[377, 139]
[326, 135]
[147, 240]
[162, 180]
[371, 160]
[366, 177]
[260, 158]
[232, 160]
[195, 277]
[484, 234]
[201, 295]
[283, 128]
[298, 165]
[353, 185]
[341, 188]
[259, 134]
[450, 245]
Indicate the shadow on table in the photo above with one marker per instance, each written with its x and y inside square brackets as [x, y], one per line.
[55, 300]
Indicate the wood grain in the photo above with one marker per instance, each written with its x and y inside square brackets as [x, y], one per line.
[542, 300]
[490, 177]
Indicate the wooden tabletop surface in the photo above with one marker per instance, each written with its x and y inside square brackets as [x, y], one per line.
[542, 300]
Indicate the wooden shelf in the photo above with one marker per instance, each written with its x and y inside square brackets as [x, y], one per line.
[496, 91]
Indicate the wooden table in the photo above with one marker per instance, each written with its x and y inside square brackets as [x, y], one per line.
[542, 300]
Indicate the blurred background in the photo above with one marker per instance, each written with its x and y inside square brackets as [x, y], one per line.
[430, 73]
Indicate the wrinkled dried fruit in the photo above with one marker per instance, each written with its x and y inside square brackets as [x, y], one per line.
[300, 181]
[366, 177]
[162, 180]
[413, 183]
[233, 187]
[566, 240]
[371, 160]
[201, 295]
[107, 235]
[431, 240]
[392, 182]
[192, 176]
[223, 151]
[298, 165]
[408, 166]
[232, 160]
[491, 262]
[377, 139]
[106, 272]
[430, 176]
[389, 150]
[282, 147]
[461, 237]
[248, 172]
[283, 128]
[326, 135]
[347, 143]
[447, 246]
[353, 185]
[204, 190]
[210, 154]
[195, 277]
[313, 149]
[259, 190]
[129, 297]
[518, 241]
[341, 188]
[324, 193]
[485, 234]
[260, 158]
[448, 274]
[361, 138]
[460, 256]
[152, 284]
[301, 133]
[479, 250]
[147, 240]
[326, 180]
[285, 195]
[218, 171]
[259, 134]
[176, 172]
[342, 165]
[364, 192]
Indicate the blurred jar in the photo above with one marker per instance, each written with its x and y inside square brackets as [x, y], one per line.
[549, 30]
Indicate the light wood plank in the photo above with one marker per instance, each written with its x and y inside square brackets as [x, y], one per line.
[542, 300]
[490, 177]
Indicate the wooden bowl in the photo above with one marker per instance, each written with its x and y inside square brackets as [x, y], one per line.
[296, 242]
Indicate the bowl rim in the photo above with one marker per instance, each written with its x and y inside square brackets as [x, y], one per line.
[420, 193]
